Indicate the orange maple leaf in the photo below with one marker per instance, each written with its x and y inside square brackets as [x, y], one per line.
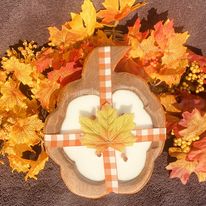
[116, 10]
[68, 70]
[37, 166]
[24, 131]
[44, 59]
[21, 70]
[162, 33]
[11, 96]
[194, 123]
[182, 169]
[169, 102]
[162, 54]
[80, 27]
[45, 91]
[57, 58]
[190, 101]
[2, 77]
[134, 31]
[186, 164]
[198, 153]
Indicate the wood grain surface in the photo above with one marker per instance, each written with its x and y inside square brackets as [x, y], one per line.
[89, 84]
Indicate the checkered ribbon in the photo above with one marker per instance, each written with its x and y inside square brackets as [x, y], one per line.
[109, 158]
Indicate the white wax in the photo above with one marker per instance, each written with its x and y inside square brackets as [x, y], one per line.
[88, 164]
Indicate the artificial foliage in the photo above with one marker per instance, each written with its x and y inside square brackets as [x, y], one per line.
[31, 77]
[108, 130]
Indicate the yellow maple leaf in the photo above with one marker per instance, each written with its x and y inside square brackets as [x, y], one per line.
[182, 169]
[169, 76]
[19, 164]
[195, 124]
[44, 92]
[144, 49]
[101, 39]
[175, 49]
[80, 27]
[37, 166]
[3, 134]
[108, 130]
[169, 102]
[2, 77]
[201, 176]
[25, 131]
[15, 149]
[59, 37]
[21, 70]
[11, 96]
[116, 10]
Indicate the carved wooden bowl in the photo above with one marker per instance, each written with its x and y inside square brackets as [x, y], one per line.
[89, 85]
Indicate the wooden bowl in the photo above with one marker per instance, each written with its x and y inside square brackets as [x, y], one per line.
[76, 182]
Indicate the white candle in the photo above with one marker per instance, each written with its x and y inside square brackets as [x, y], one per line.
[90, 165]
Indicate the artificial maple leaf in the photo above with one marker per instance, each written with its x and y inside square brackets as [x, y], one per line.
[25, 131]
[127, 64]
[15, 149]
[19, 164]
[37, 166]
[194, 123]
[171, 122]
[145, 49]
[198, 153]
[134, 32]
[182, 169]
[2, 77]
[21, 70]
[57, 58]
[44, 59]
[60, 74]
[170, 43]
[190, 101]
[175, 50]
[201, 176]
[163, 32]
[169, 102]
[44, 92]
[186, 164]
[116, 10]
[162, 54]
[80, 27]
[108, 130]
[11, 96]
[172, 111]
[3, 134]
[101, 39]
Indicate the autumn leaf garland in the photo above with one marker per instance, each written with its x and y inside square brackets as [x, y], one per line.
[31, 77]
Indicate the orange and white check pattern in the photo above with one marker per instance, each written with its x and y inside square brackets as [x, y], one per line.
[150, 134]
[105, 81]
[62, 140]
[110, 170]
[109, 157]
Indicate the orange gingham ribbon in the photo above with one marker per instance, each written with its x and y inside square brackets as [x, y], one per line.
[109, 157]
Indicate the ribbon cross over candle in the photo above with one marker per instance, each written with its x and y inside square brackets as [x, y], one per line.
[108, 131]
